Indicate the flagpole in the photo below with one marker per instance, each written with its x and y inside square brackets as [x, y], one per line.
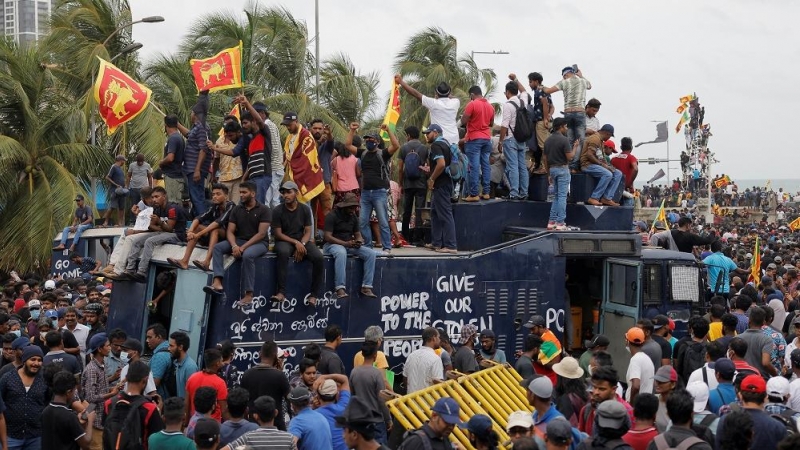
[668, 160]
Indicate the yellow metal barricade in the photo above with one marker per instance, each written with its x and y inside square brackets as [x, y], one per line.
[494, 392]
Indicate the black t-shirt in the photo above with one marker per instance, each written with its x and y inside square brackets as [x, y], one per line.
[342, 225]
[374, 173]
[686, 240]
[666, 347]
[330, 362]
[262, 380]
[247, 220]
[68, 362]
[440, 149]
[414, 146]
[292, 223]
[60, 428]
[171, 211]
[556, 148]
[176, 145]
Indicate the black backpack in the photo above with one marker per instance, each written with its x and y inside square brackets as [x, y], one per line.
[123, 426]
[788, 420]
[523, 124]
[170, 379]
[693, 358]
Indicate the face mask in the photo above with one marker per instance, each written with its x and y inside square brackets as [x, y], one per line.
[42, 334]
[372, 146]
[55, 323]
[35, 314]
[16, 333]
[124, 356]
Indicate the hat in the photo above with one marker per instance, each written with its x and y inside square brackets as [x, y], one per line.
[778, 387]
[97, 341]
[558, 431]
[328, 388]
[20, 342]
[568, 368]
[598, 341]
[610, 144]
[288, 118]
[771, 266]
[358, 412]
[443, 89]
[433, 127]
[725, 368]
[778, 259]
[548, 352]
[299, 394]
[348, 200]
[31, 351]
[448, 409]
[34, 304]
[659, 225]
[62, 312]
[206, 431]
[753, 383]
[635, 336]
[260, 107]
[535, 321]
[105, 292]
[611, 414]
[94, 308]
[372, 136]
[541, 387]
[132, 344]
[608, 128]
[665, 374]
[699, 391]
[671, 325]
[51, 314]
[567, 70]
[640, 223]
[487, 334]
[467, 332]
[660, 321]
[479, 424]
[794, 357]
[79, 198]
[748, 256]
[49, 285]
[289, 185]
[522, 419]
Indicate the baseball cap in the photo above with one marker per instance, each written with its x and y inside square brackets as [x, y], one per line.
[132, 344]
[726, 369]
[665, 374]
[487, 334]
[611, 414]
[288, 118]
[34, 304]
[260, 107]
[753, 383]
[97, 341]
[62, 312]
[541, 387]
[51, 314]
[635, 336]
[610, 144]
[794, 357]
[608, 128]
[699, 391]
[433, 127]
[660, 321]
[49, 285]
[299, 394]
[778, 387]
[79, 197]
[206, 431]
[448, 409]
[778, 259]
[20, 342]
[559, 431]
[535, 321]
[479, 424]
[467, 332]
[567, 70]
[328, 388]
[289, 185]
[772, 266]
[598, 341]
[522, 419]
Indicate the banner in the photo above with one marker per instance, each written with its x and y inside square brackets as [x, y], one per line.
[392, 112]
[234, 112]
[661, 134]
[119, 97]
[221, 71]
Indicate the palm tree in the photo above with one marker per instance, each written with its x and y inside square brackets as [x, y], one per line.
[430, 57]
[347, 93]
[43, 154]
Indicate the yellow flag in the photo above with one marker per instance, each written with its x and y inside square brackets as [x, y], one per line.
[795, 224]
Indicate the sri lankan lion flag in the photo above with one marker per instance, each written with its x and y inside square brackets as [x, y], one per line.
[721, 182]
[795, 224]
[755, 265]
[119, 97]
[392, 112]
[234, 112]
[303, 164]
[221, 71]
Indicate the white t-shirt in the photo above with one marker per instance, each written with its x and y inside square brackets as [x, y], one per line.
[443, 113]
[794, 395]
[640, 367]
[151, 384]
[697, 375]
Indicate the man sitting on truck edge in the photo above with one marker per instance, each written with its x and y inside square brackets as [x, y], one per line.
[246, 240]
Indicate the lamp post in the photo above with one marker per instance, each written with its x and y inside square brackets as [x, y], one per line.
[149, 19]
[316, 45]
[493, 52]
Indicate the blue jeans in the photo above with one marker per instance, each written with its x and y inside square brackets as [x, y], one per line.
[340, 252]
[78, 232]
[443, 224]
[561, 178]
[31, 443]
[197, 193]
[375, 199]
[248, 261]
[516, 170]
[606, 183]
[263, 183]
[576, 130]
[478, 151]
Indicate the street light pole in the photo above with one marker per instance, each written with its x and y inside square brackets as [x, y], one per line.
[149, 19]
[316, 43]
[493, 52]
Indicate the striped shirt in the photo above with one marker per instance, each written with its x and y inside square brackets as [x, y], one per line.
[266, 438]
[259, 155]
[195, 143]
[574, 89]
[275, 143]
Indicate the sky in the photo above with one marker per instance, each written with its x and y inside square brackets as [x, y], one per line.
[641, 57]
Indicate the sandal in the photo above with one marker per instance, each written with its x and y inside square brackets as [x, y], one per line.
[176, 263]
[201, 266]
[276, 299]
[341, 293]
[312, 301]
[367, 292]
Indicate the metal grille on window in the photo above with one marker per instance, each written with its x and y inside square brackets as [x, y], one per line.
[685, 283]
[651, 284]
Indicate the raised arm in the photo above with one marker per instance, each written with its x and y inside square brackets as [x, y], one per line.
[414, 93]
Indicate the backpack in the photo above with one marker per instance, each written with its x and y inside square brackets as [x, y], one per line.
[661, 443]
[457, 169]
[123, 426]
[693, 358]
[615, 444]
[426, 442]
[523, 124]
[411, 164]
[170, 380]
[788, 420]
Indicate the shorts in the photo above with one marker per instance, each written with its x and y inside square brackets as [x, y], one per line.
[116, 201]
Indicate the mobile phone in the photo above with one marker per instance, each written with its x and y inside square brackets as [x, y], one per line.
[89, 409]
[575, 67]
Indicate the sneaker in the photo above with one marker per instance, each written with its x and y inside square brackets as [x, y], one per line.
[562, 227]
[472, 198]
[551, 225]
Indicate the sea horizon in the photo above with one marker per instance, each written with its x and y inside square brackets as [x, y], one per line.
[788, 185]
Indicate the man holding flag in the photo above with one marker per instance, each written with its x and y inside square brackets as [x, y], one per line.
[303, 165]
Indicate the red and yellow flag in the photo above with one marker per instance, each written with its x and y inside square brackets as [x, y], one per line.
[119, 97]
[392, 111]
[234, 112]
[755, 264]
[661, 216]
[721, 182]
[221, 71]
[303, 165]
[795, 224]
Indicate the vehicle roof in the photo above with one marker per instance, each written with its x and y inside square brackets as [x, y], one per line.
[660, 253]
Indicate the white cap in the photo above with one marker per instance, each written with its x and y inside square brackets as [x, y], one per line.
[522, 419]
[778, 387]
[49, 285]
[699, 391]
